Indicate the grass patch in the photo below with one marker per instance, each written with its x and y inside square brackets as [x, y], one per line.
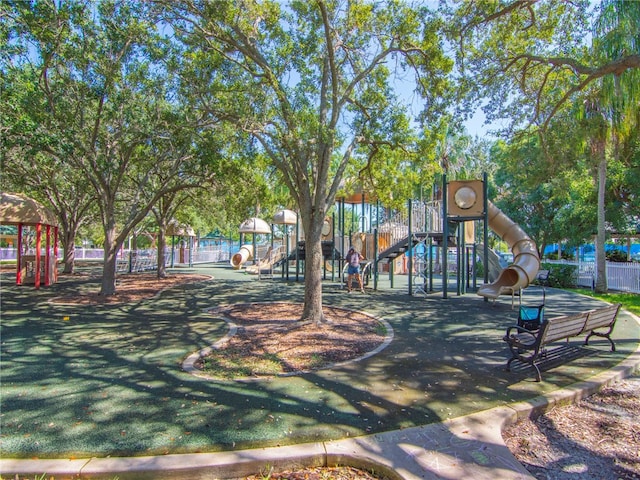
[380, 329]
[232, 363]
[316, 361]
[629, 301]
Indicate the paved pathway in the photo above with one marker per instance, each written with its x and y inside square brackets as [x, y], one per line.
[98, 383]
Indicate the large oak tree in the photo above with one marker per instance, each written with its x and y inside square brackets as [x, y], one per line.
[109, 107]
[312, 82]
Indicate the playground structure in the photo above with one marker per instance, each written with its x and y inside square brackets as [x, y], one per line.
[418, 243]
[280, 253]
[277, 255]
[30, 217]
[185, 236]
[254, 226]
[402, 248]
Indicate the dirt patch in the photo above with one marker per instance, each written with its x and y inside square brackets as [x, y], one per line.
[129, 288]
[594, 439]
[271, 340]
[318, 473]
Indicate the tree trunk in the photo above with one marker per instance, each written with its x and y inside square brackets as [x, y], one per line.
[162, 242]
[312, 311]
[69, 231]
[108, 286]
[601, 259]
[69, 255]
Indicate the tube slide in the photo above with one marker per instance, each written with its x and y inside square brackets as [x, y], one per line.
[244, 254]
[526, 261]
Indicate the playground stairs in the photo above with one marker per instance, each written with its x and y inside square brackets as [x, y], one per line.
[401, 247]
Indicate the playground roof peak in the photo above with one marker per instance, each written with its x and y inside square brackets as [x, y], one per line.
[254, 225]
[285, 217]
[18, 209]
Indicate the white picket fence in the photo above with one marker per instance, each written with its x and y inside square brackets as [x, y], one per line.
[621, 276]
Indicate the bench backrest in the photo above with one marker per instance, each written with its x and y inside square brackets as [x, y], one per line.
[602, 317]
[563, 327]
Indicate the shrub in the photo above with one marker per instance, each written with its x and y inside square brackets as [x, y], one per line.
[616, 255]
[561, 276]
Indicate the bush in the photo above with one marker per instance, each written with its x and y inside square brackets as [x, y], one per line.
[561, 276]
[564, 255]
[616, 255]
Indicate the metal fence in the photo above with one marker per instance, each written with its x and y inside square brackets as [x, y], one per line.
[7, 253]
[130, 261]
[141, 260]
[621, 276]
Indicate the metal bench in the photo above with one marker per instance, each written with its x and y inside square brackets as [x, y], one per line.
[529, 346]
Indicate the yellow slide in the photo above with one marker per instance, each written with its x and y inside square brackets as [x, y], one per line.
[526, 261]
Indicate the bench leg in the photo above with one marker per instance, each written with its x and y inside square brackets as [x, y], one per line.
[538, 374]
[508, 367]
[607, 336]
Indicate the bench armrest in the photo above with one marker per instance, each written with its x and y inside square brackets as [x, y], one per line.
[519, 329]
[520, 336]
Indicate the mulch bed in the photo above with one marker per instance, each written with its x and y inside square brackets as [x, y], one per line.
[130, 288]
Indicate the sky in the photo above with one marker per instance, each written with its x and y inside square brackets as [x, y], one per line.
[475, 125]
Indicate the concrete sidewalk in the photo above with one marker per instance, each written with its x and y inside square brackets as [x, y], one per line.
[431, 405]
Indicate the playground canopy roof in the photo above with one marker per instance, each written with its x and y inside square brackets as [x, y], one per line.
[254, 225]
[179, 230]
[285, 217]
[18, 209]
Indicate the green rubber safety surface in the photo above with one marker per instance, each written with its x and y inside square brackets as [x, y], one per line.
[107, 380]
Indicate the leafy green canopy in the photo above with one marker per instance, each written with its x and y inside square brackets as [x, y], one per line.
[313, 82]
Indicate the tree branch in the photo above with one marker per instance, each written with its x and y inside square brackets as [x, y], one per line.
[616, 67]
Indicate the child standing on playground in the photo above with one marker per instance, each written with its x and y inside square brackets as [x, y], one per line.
[353, 260]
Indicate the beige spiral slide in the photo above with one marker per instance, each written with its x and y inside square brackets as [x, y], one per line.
[243, 255]
[526, 261]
